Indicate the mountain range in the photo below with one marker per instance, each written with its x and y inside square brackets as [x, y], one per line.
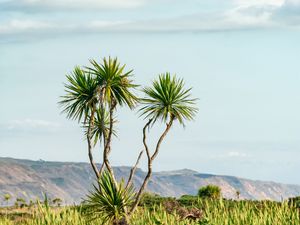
[71, 182]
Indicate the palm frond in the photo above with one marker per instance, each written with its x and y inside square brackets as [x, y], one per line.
[108, 201]
[100, 126]
[167, 98]
[115, 82]
[80, 95]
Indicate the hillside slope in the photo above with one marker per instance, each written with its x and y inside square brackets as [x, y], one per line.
[71, 181]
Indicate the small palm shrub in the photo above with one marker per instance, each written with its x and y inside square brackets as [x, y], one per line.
[210, 191]
[108, 201]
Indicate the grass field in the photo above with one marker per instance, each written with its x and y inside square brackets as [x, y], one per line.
[168, 212]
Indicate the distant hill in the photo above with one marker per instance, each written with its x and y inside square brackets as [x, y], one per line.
[71, 181]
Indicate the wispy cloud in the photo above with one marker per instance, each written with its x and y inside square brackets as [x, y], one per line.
[244, 14]
[232, 155]
[57, 5]
[288, 13]
[24, 26]
[17, 26]
[31, 123]
[259, 2]
[29, 126]
[236, 154]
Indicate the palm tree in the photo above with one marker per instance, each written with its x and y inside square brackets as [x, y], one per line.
[168, 101]
[80, 104]
[90, 93]
[115, 88]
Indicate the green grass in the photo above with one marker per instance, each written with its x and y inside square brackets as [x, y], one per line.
[214, 212]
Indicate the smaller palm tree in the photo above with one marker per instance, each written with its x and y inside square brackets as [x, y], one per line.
[108, 201]
[166, 100]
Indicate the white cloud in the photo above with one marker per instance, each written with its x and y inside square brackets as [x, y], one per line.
[36, 5]
[266, 13]
[35, 27]
[288, 14]
[236, 154]
[233, 154]
[99, 24]
[246, 14]
[31, 124]
[259, 2]
[20, 26]
[292, 2]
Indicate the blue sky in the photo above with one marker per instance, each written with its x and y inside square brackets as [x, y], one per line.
[240, 56]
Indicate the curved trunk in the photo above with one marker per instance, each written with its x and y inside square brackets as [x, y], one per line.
[90, 145]
[150, 160]
[133, 169]
[107, 143]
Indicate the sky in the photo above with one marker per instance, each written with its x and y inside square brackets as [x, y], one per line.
[240, 56]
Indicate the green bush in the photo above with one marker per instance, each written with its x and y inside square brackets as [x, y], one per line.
[188, 200]
[295, 201]
[149, 199]
[210, 191]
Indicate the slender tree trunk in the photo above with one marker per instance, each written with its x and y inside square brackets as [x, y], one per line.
[90, 145]
[150, 160]
[101, 169]
[101, 100]
[107, 144]
[106, 137]
[133, 169]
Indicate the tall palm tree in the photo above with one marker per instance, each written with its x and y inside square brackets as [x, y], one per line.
[93, 91]
[166, 100]
[115, 88]
[80, 103]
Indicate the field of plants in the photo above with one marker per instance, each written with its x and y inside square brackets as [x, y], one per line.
[168, 211]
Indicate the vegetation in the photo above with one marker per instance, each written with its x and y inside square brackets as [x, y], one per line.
[57, 202]
[108, 201]
[6, 198]
[213, 212]
[210, 191]
[20, 202]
